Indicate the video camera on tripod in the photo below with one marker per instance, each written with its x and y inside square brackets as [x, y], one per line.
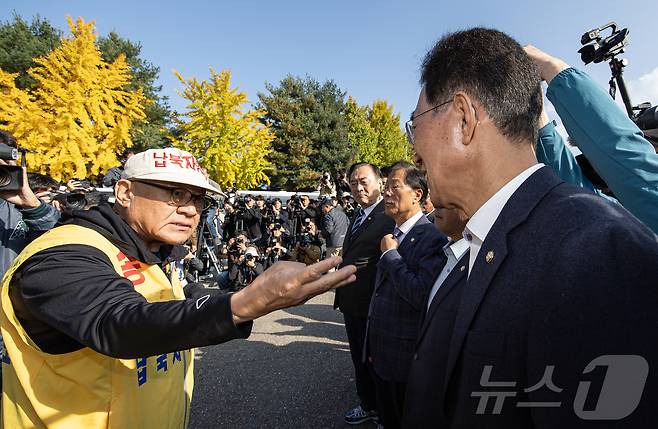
[597, 48]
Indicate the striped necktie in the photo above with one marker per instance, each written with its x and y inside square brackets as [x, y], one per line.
[359, 220]
[397, 232]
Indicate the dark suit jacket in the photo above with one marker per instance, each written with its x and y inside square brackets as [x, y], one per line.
[424, 405]
[404, 279]
[362, 250]
[563, 278]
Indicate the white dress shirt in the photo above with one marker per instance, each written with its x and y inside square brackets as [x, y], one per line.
[371, 207]
[454, 251]
[483, 219]
[406, 227]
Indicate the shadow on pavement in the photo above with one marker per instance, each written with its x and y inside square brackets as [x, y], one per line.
[294, 371]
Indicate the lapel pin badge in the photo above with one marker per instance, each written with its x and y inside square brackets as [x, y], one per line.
[463, 267]
[412, 239]
[490, 256]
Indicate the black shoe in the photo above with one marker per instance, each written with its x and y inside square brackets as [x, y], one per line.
[358, 415]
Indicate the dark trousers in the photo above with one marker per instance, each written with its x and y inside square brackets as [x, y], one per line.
[365, 385]
[390, 401]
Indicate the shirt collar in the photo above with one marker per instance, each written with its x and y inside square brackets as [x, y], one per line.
[409, 223]
[371, 207]
[483, 219]
[456, 248]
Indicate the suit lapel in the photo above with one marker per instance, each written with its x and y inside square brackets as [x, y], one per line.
[492, 254]
[348, 236]
[412, 236]
[368, 220]
[456, 277]
[407, 245]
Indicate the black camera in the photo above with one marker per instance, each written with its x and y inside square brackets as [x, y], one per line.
[72, 201]
[11, 176]
[85, 184]
[597, 48]
[248, 257]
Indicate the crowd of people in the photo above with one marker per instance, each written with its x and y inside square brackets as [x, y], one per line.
[479, 285]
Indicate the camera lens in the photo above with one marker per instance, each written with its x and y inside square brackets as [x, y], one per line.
[5, 177]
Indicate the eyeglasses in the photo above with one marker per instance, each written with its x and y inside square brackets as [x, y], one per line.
[409, 125]
[181, 197]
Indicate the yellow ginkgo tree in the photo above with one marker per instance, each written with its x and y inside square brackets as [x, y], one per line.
[229, 139]
[78, 117]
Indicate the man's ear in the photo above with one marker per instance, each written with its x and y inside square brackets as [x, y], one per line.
[123, 193]
[468, 115]
[419, 196]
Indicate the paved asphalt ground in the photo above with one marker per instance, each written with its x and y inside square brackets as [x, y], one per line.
[294, 371]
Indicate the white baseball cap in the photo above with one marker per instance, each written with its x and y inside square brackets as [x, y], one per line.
[251, 251]
[167, 165]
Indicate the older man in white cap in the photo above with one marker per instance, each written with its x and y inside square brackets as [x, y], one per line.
[96, 334]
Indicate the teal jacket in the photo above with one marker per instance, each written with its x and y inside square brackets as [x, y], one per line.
[612, 143]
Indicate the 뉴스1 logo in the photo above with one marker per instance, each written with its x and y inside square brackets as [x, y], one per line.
[620, 394]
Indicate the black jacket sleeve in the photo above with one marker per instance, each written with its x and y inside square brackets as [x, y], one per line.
[74, 290]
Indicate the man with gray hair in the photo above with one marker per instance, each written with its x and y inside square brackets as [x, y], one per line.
[96, 334]
[559, 281]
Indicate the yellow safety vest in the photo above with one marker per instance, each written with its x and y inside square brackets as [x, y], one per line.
[85, 389]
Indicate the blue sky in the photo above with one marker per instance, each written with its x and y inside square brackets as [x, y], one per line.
[372, 49]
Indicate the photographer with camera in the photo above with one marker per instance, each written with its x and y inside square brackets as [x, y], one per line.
[275, 244]
[309, 244]
[23, 215]
[348, 205]
[301, 210]
[342, 184]
[43, 186]
[252, 219]
[277, 214]
[230, 221]
[326, 186]
[245, 269]
[236, 247]
[609, 139]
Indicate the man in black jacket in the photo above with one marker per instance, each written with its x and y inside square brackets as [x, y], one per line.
[252, 219]
[361, 248]
[89, 290]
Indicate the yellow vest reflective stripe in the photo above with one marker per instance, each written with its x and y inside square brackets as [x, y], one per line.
[86, 389]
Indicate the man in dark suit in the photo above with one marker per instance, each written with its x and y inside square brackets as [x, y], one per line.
[559, 282]
[409, 264]
[361, 248]
[423, 385]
